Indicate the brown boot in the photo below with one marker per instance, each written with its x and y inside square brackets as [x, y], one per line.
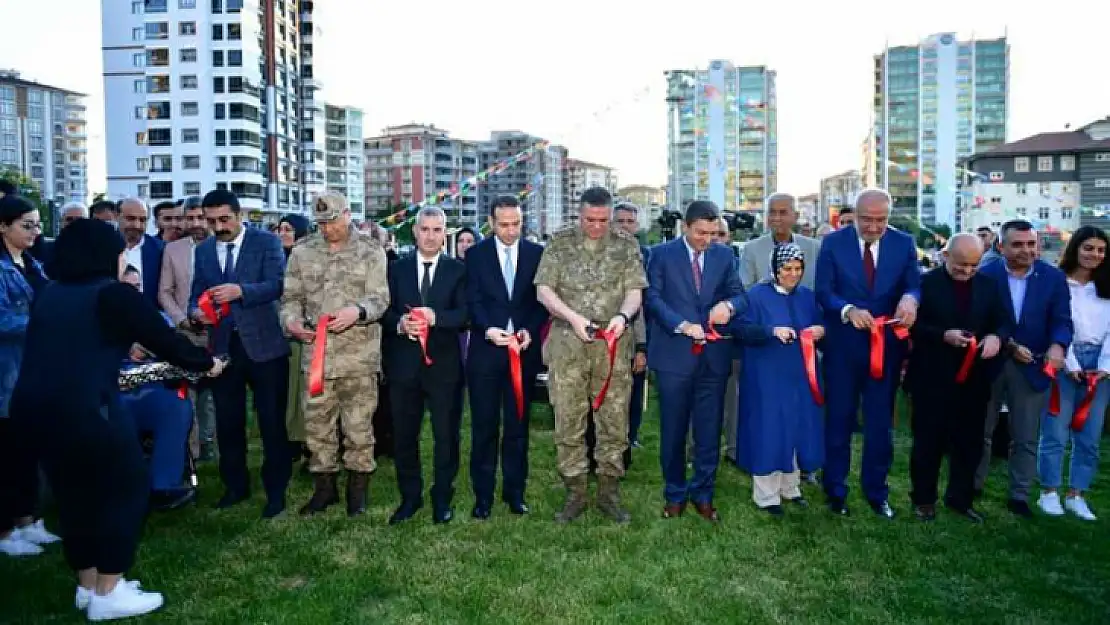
[575, 503]
[324, 493]
[609, 499]
[356, 492]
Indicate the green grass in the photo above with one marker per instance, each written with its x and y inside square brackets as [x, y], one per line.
[230, 567]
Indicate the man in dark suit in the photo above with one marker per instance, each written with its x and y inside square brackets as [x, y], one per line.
[1038, 306]
[962, 316]
[143, 251]
[426, 297]
[692, 284]
[864, 273]
[244, 268]
[503, 306]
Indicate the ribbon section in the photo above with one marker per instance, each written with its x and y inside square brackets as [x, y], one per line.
[610, 339]
[711, 336]
[422, 336]
[878, 342]
[213, 312]
[969, 360]
[809, 356]
[1083, 411]
[319, 352]
[516, 374]
[1054, 394]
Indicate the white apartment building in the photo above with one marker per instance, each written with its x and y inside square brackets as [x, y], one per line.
[43, 136]
[838, 192]
[581, 175]
[202, 94]
[343, 155]
[312, 120]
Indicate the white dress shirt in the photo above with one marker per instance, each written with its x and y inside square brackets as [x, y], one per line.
[420, 260]
[1090, 315]
[221, 250]
[874, 249]
[503, 252]
[134, 256]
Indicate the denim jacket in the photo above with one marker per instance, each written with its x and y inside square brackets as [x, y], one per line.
[15, 309]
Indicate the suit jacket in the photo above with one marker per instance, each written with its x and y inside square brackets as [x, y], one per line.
[671, 299]
[840, 281]
[639, 320]
[755, 260]
[1045, 313]
[259, 271]
[447, 298]
[934, 363]
[175, 285]
[152, 251]
[489, 306]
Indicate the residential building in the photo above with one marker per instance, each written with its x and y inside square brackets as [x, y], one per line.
[869, 173]
[313, 118]
[722, 136]
[837, 192]
[580, 175]
[1056, 180]
[204, 95]
[407, 164]
[808, 207]
[537, 180]
[343, 155]
[651, 201]
[43, 135]
[935, 103]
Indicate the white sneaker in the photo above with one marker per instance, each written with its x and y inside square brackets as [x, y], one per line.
[124, 601]
[1049, 503]
[84, 595]
[15, 546]
[1078, 506]
[36, 533]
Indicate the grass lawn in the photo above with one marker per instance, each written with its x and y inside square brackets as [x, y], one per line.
[230, 567]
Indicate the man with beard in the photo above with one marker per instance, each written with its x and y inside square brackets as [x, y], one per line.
[143, 251]
[170, 219]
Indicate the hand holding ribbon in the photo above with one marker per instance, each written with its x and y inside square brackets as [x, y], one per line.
[211, 311]
[417, 314]
[878, 342]
[808, 339]
[319, 352]
[1083, 410]
[969, 360]
[515, 345]
[711, 335]
[610, 339]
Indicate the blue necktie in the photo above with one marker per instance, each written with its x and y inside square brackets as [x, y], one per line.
[229, 262]
[508, 272]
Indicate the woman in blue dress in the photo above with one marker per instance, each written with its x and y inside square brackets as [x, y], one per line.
[780, 415]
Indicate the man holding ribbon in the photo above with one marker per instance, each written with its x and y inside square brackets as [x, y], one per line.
[504, 356]
[693, 288]
[867, 285]
[335, 293]
[961, 323]
[591, 279]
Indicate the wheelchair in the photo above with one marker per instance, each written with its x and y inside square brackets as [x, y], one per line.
[154, 396]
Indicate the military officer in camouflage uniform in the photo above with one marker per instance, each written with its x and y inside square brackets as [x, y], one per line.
[341, 273]
[590, 276]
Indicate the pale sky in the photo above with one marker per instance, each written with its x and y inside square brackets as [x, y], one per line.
[576, 71]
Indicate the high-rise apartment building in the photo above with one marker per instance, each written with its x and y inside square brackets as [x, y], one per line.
[936, 103]
[580, 175]
[536, 180]
[312, 122]
[43, 136]
[722, 136]
[202, 95]
[343, 155]
[409, 163]
[837, 192]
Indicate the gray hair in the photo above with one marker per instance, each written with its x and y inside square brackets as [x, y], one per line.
[774, 197]
[75, 206]
[628, 207]
[961, 236]
[872, 193]
[135, 200]
[432, 211]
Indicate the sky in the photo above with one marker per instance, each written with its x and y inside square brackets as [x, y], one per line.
[589, 73]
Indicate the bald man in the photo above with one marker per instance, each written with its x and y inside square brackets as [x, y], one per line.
[961, 325]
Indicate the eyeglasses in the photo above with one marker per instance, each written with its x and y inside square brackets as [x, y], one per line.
[31, 225]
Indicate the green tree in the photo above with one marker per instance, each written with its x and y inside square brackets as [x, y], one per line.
[29, 190]
[98, 197]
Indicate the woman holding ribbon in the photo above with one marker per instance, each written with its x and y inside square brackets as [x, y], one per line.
[780, 398]
[1081, 392]
[292, 229]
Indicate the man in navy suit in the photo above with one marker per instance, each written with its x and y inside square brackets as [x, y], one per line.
[864, 273]
[692, 284]
[502, 303]
[1039, 311]
[244, 268]
[143, 251]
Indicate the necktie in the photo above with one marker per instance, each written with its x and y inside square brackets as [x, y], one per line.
[868, 265]
[697, 271]
[426, 282]
[508, 271]
[229, 262]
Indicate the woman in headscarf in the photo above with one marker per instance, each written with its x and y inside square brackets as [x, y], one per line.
[465, 239]
[780, 418]
[21, 276]
[67, 402]
[292, 229]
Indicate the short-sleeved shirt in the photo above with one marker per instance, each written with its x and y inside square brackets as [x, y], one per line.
[593, 282]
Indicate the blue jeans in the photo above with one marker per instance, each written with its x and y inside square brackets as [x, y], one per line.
[157, 409]
[1055, 431]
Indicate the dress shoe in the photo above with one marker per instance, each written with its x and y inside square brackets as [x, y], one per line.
[273, 508]
[1020, 508]
[230, 499]
[774, 510]
[707, 511]
[518, 508]
[164, 500]
[837, 507]
[883, 509]
[442, 515]
[480, 512]
[405, 511]
[673, 510]
[969, 513]
[798, 501]
[925, 513]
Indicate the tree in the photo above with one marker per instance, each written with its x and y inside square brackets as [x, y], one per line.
[30, 191]
[98, 197]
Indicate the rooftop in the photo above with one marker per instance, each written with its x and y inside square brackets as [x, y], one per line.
[11, 76]
[1081, 140]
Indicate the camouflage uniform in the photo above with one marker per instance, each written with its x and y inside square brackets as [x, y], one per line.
[320, 281]
[592, 278]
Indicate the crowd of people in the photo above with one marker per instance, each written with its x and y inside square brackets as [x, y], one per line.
[787, 350]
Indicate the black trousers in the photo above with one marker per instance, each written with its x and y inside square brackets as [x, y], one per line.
[947, 419]
[269, 384]
[383, 421]
[19, 475]
[494, 416]
[408, 399]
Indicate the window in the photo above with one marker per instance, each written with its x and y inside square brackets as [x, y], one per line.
[997, 176]
[217, 6]
[234, 32]
[161, 163]
[1044, 163]
[155, 6]
[189, 82]
[217, 32]
[190, 135]
[190, 162]
[186, 4]
[158, 110]
[1021, 164]
[1102, 157]
[1046, 189]
[158, 84]
[190, 109]
[159, 137]
[219, 111]
[188, 55]
[235, 58]
[159, 57]
[1020, 188]
[141, 190]
[1042, 212]
[142, 164]
[1102, 183]
[140, 86]
[140, 112]
[218, 84]
[137, 34]
[996, 200]
[136, 7]
[7, 156]
[221, 137]
[234, 6]
[7, 108]
[157, 30]
[217, 58]
[140, 138]
[1067, 163]
[1065, 213]
[1020, 211]
[192, 188]
[187, 29]
[161, 190]
[138, 59]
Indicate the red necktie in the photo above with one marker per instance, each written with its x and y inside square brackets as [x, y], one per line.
[868, 265]
[697, 272]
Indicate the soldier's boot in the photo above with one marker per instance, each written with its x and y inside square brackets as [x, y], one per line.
[609, 499]
[324, 493]
[575, 503]
[356, 492]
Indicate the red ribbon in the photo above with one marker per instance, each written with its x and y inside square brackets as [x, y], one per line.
[211, 311]
[1054, 394]
[809, 356]
[1083, 410]
[610, 339]
[515, 373]
[319, 351]
[711, 335]
[422, 336]
[878, 343]
[969, 359]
